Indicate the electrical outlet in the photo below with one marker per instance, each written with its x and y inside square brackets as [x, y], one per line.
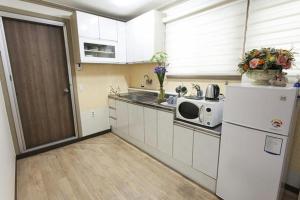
[93, 114]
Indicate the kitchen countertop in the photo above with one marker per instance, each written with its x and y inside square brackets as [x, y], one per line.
[150, 99]
[143, 98]
[214, 130]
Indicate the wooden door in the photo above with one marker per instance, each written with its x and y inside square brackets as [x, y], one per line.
[39, 66]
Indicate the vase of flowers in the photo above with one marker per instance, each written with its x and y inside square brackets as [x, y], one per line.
[160, 70]
[265, 64]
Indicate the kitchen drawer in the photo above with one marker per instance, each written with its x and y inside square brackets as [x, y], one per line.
[112, 112]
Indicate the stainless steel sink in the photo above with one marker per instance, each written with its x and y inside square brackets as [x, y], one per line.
[193, 97]
[139, 96]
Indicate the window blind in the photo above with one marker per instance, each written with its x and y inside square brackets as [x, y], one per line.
[274, 24]
[207, 43]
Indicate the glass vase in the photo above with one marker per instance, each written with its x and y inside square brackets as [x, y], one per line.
[161, 95]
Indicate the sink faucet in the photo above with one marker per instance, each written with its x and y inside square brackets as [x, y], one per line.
[114, 91]
[198, 89]
[148, 80]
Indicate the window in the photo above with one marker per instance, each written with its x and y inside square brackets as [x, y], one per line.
[207, 43]
[274, 24]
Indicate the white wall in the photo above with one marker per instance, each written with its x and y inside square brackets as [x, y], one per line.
[7, 155]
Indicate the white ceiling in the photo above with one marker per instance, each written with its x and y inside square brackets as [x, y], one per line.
[120, 9]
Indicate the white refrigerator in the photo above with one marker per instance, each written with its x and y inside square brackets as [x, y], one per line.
[256, 133]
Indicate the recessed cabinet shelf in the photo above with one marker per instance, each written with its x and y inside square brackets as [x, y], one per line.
[103, 40]
[99, 50]
[96, 51]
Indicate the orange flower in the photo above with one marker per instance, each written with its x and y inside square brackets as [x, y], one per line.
[245, 67]
[254, 63]
[261, 62]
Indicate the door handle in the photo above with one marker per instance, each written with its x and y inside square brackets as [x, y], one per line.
[66, 90]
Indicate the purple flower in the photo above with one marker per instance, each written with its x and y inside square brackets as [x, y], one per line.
[160, 70]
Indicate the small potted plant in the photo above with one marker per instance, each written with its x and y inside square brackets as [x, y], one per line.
[160, 59]
[264, 64]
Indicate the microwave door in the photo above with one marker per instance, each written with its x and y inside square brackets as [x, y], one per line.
[188, 111]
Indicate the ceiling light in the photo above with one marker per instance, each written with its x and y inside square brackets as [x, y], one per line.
[125, 3]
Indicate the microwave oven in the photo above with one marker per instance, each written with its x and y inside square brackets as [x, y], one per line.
[202, 112]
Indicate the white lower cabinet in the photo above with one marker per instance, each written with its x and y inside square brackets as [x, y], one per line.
[113, 124]
[112, 112]
[206, 153]
[150, 119]
[122, 118]
[189, 151]
[165, 132]
[112, 103]
[136, 122]
[183, 145]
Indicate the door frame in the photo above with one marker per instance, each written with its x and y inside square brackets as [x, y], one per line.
[10, 80]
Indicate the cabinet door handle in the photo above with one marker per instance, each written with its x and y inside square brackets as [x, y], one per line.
[66, 90]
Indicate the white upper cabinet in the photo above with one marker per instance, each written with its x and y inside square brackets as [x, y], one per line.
[108, 29]
[103, 40]
[100, 40]
[145, 36]
[121, 51]
[88, 25]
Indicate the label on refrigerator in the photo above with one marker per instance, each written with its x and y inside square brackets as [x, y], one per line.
[273, 145]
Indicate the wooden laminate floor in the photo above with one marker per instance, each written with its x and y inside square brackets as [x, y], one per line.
[105, 168]
[102, 168]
